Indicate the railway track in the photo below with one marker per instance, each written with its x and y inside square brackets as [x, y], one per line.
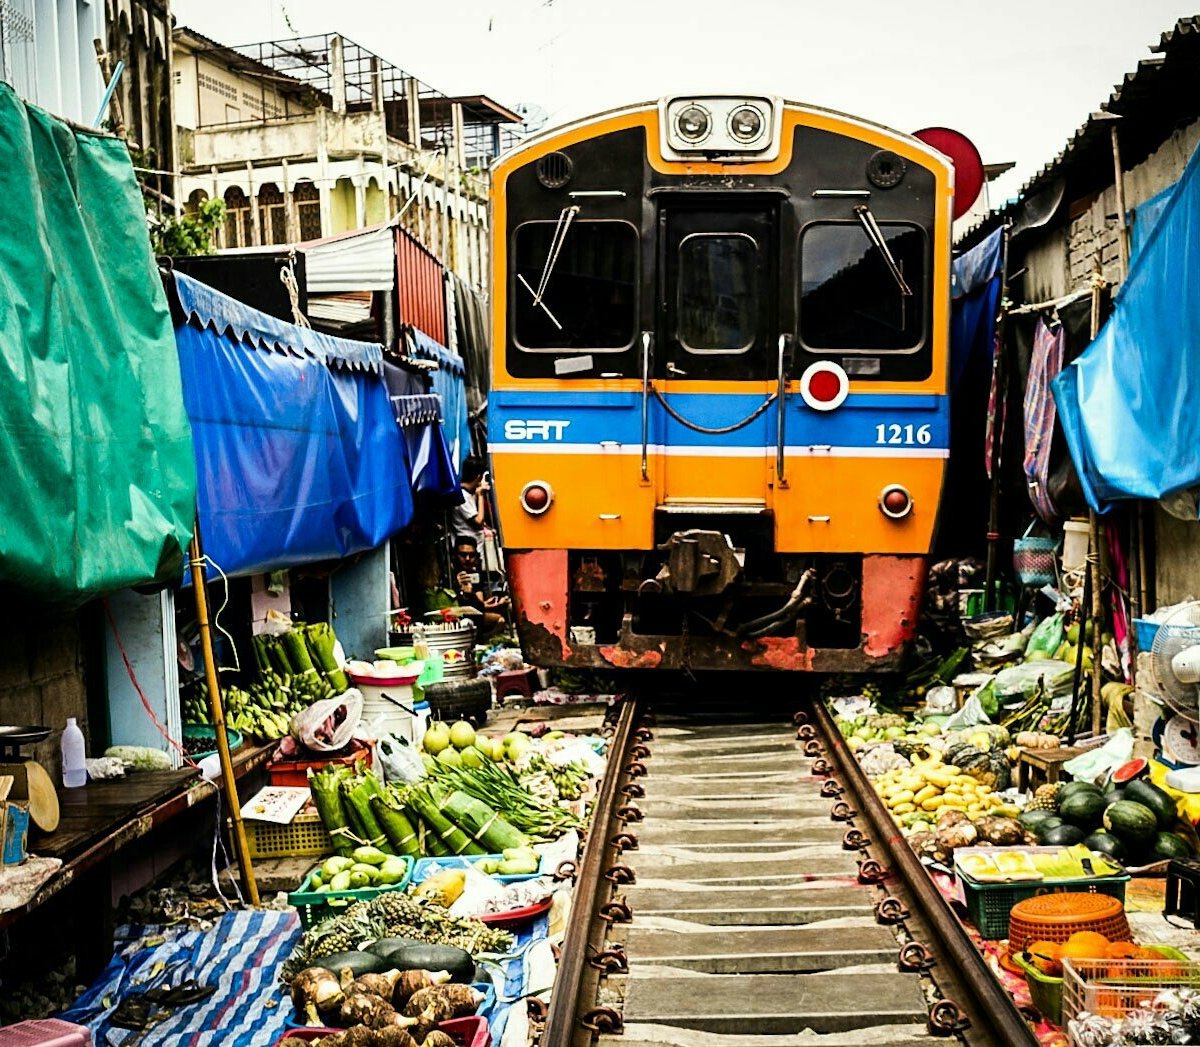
[741, 885]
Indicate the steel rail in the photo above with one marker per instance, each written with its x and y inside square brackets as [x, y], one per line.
[583, 922]
[988, 998]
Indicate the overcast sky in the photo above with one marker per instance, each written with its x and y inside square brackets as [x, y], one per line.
[1017, 77]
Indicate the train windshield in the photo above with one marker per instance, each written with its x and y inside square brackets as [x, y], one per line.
[575, 288]
[718, 292]
[849, 298]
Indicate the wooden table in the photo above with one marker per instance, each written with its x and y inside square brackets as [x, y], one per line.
[100, 818]
[1042, 766]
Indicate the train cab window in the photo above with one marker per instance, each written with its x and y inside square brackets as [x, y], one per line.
[718, 289]
[587, 277]
[849, 299]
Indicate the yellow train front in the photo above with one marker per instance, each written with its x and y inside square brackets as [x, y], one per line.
[718, 419]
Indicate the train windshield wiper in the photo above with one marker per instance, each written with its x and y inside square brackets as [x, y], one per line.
[565, 218]
[875, 235]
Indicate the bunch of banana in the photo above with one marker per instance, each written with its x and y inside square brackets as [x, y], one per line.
[264, 710]
[919, 793]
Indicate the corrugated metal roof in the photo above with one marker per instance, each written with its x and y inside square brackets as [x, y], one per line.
[357, 261]
[1153, 101]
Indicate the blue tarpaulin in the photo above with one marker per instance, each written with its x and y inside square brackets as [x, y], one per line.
[298, 454]
[419, 416]
[1146, 216]
[1130, 405]
[975, 292]
[449, 384]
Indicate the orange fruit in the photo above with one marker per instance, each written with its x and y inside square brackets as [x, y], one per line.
[1084, 945]
[1045, 956]
[1121, 951]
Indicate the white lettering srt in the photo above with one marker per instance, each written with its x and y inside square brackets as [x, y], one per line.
[534, 429]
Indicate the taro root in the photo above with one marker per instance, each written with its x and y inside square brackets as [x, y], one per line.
[315, 991]
[410, 982]
[1004, 832]
[437, 1038]
[461, 999]
[380, 985]
[954, 836]
[334, 1039]
[361, 1008]
[394, 1036]
[951, 816]
[359, 1036]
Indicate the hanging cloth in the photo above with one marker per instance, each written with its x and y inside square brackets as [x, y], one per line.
[1041, 416]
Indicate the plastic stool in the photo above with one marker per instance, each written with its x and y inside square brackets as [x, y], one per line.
[516, 681]
[1183, 890]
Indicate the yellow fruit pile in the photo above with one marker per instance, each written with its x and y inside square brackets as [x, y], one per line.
[920, 792]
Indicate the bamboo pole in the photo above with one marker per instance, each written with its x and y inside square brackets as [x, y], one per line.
[1001, 384]
[218, 720]
[1095, 531]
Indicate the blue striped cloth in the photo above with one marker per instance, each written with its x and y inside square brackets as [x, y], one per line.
[240, 956]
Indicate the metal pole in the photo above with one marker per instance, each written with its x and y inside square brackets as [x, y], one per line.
[218, 720]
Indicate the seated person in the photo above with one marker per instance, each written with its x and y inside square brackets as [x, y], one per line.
[474, 591]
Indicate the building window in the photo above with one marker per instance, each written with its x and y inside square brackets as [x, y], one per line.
[272, 215]
[239, 223]
[308, 210]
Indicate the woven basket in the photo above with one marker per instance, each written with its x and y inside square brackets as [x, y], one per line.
[1035, 560]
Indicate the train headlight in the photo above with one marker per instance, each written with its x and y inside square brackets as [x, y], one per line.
[536, 497]
[824, 386]
[693, 123]
[746, 123]
[895, 502]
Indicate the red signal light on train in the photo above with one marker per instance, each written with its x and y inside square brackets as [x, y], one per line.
[895, 502]
[824, 386]
[536, 497]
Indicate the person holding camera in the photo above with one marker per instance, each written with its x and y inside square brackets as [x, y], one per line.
[477, 589]
[469, 518]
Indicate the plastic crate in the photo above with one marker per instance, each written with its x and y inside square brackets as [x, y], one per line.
[1046, 990]
[294, 773]
[426, 867]
[1113, 988]
[302, 837]
[313, 906]
[468, 1032]
[989, 904]
[48, 1032]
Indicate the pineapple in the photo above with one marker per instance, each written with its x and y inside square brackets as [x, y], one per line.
[1045, 798]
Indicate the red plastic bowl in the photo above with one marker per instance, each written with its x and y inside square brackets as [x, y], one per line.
[516, 917]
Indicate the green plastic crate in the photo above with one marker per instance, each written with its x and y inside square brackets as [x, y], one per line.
[313, 906]
[989, 904]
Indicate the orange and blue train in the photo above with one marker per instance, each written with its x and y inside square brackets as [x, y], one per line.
[719, 417]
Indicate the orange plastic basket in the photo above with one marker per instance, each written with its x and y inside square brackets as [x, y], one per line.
[1055, 917]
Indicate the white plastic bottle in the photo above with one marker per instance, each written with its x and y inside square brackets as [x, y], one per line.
[73, 757]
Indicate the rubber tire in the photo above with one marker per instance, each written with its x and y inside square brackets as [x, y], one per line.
[459, 700]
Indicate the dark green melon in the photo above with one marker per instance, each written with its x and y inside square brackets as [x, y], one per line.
[1105, 843]
[1169, 845]
[1158, 800]
[1131, 821]
[1083, 809]
[1061, 836]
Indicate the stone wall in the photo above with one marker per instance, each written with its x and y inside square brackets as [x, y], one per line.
[42, 679]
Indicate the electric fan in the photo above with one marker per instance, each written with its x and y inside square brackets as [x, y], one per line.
[1175, 660]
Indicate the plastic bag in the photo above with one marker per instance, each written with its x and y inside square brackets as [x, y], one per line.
[1046, 638]
[970, 715]
[328, 725]
[398, 760]
[1020, 681]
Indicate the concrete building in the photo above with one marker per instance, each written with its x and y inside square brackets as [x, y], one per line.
[316, 136]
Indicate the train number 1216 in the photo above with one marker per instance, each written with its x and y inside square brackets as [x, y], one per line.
[903, 435]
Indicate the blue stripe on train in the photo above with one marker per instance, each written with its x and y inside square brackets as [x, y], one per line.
[526, 418]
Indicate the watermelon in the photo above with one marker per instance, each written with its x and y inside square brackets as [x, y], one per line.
[1045, 825]
[1107, 844]
[1032, 820]
[1112, 794]
[1083, 808]
[1073, 788]
[1169, 845]
[1061, 836]
[1131, 771]
[1132, 822]
[1160, 802]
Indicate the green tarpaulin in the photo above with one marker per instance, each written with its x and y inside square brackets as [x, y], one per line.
[97, 477]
